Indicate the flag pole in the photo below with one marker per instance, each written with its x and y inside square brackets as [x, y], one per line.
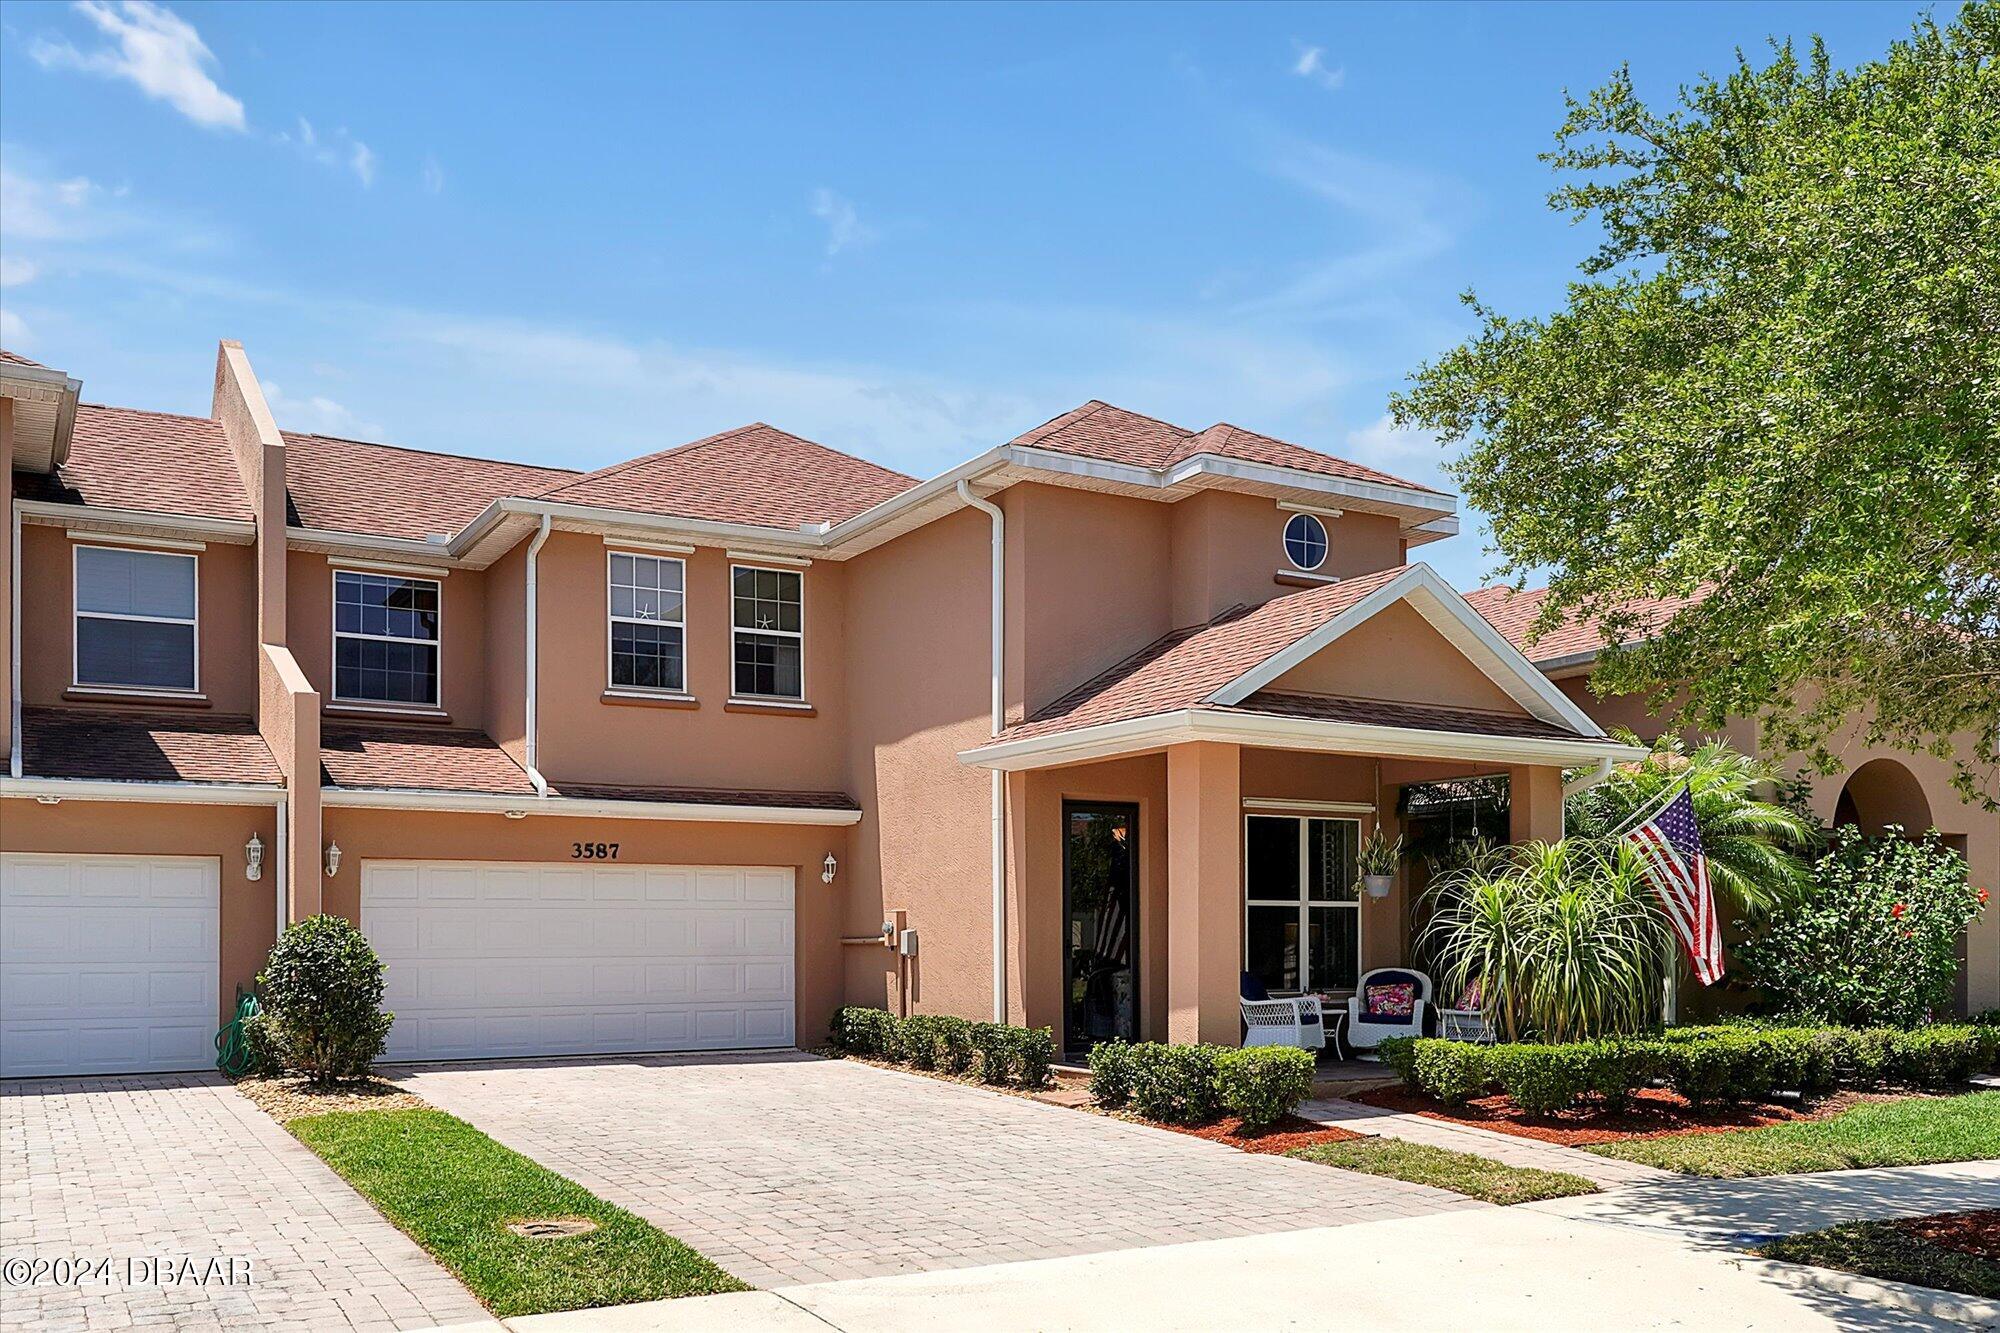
[1652, 807]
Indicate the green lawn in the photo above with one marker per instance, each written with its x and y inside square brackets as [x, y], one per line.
[1901, 1133]
[454, 1190]
[1884, 1250]
[1459, 1172]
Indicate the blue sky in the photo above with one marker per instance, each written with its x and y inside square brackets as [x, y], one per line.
[574, 234]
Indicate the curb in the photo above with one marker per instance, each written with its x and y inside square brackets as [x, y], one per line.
[1928, 1302]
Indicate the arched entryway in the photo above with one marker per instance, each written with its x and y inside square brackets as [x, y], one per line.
[1882, 793]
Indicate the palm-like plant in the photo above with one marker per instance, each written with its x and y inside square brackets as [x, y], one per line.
[1757, 849]
[1561, 939]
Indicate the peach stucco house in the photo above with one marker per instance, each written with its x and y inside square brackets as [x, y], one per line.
[685, 752]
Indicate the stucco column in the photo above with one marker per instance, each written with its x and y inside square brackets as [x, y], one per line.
[1204, 892]
[1535, 804]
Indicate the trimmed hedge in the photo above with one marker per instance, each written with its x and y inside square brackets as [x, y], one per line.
[1001, 1053]
[1703, 1064]
[1192, 1085]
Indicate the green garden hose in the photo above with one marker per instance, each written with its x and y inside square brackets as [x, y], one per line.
[232, 1045]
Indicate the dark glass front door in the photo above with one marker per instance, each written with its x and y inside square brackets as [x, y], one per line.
[1100, 921]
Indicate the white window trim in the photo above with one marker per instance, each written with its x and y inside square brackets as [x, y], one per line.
[1325, 541]
[1304, 902]
[611, 620]
[77, 614]
[735, 696]
[436, 703]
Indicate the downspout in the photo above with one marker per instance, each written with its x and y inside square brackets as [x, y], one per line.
[284, 903]
[14, 646]
[1588, 780]
[528, 745]
[998, 634]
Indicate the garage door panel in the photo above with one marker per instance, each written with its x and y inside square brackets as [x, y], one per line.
[108, 964]
[521, 959]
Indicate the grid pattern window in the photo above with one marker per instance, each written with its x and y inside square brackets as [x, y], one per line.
[648, 623]
[1305, 541]
[385, 639]
[767, 619]
[135, 619]
[1302, 908]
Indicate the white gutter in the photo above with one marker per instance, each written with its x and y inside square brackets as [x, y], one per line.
[14, 647]
[183, 793]
[1597, 774]
[1158, 730]
[998, 637]
[460, 802]
[532, 722]
[278, 887]
[230, 531]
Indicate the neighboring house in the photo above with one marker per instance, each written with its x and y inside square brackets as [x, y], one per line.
[685, 752]
[1874, 789]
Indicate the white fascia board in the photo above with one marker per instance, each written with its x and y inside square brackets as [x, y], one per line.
[1269, 731]
[460, 802]
[227, 531]
[942, 486]
[363, 545]
[1271, 474]
[604, 518]
[183, 793]
[1452, 616]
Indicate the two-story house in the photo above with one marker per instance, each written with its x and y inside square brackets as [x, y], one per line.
[684, 752]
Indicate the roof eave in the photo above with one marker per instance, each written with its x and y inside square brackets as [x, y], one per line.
[465, 802]
[1159, 730]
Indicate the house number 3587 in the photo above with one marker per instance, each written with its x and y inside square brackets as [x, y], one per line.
[593, 851]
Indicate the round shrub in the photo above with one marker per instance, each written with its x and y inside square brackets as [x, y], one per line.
[1174, 1084]
[1938, 1057]
[935, 1041]
[862, 1031]
[1035, 1056]
[999, 1047]
[322, 987]
[1453, 1072]
[1111, 1072]
[1262, 1084]
[1542, 1080]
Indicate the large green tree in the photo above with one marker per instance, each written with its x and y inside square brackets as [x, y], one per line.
[1775, 388]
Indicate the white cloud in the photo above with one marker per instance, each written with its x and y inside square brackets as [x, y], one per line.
[313, 413]
[11, 328]
[433, 176]
[34, 208]
[1311, 64]
[156, 51]
[1383, 444]
[338, 151]
[17, 272]
[844, 227]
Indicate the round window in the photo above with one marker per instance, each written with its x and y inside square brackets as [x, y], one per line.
[1305, 541]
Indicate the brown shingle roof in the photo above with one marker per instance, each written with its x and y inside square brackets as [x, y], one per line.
[1099, 430]
[1513, 614]
[102, 745]
[151, 462]
[385, 756]
[1385, 713]
[16, 359]
[754, 474]
[1181, 669]
[385, 490]
[788, 800]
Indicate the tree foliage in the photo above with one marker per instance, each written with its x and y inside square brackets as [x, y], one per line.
[1775, 390]
[322, 990]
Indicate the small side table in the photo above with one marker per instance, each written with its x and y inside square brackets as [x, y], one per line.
[1464, 1025]
[1333, 1017]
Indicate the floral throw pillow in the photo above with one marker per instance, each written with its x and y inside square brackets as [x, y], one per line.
[1397, 1000]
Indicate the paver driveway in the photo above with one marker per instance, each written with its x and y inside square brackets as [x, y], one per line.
[184, 1165]
[787, 1169]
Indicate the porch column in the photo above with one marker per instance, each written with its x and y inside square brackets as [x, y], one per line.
[1535, 804]
[1204, 892]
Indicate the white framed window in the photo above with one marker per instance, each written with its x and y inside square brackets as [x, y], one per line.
[767, 633]
[646, 596]
[1301, 906]
[137, 615]
[385, 639]
[1305, 541]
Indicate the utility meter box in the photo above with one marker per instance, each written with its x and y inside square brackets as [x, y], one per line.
[907, 944]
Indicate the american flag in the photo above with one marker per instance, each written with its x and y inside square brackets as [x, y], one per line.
[1669, 848]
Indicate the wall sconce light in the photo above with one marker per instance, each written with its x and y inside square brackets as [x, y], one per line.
[253, 858]
[827, 869]
[332, 859]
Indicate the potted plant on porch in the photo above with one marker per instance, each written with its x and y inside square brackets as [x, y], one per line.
[1378, 859]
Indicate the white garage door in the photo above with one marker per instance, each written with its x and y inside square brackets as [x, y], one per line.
[108, 964]
[491, 959]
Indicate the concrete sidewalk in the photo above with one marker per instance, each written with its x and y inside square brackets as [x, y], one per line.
[1736, 1214]
[1493, 1269]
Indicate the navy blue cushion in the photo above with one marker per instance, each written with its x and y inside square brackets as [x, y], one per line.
[1253, 987]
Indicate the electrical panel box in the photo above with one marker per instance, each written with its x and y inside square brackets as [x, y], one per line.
[907, 944]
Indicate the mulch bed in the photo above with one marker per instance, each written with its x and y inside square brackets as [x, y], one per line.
[1654, 1113]
[1280, 1136]
[1975, 1233]
[290, 1096]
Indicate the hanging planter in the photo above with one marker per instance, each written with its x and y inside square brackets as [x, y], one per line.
[1377, 862]
[1378, 886]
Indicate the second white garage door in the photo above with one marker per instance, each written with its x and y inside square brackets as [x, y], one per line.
[489, 959]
